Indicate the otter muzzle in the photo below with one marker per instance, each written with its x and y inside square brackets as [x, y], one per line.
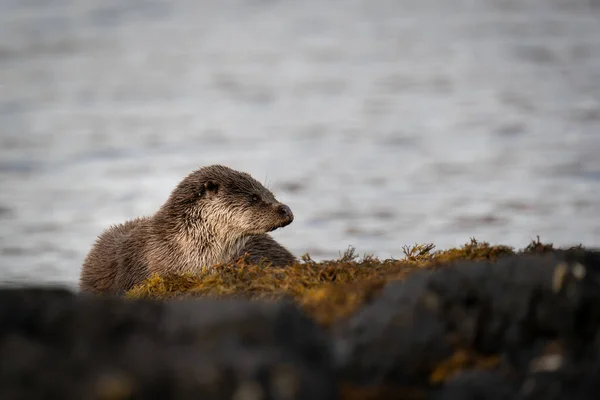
[286, 217]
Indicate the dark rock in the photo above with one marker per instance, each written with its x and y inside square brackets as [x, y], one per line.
[377, 345]
[520, 320]
[478, 385]
[523, 327]
[55, 344]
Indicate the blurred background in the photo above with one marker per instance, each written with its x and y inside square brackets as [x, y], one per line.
[380, 122]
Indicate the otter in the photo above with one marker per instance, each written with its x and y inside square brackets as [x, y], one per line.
[214, 215]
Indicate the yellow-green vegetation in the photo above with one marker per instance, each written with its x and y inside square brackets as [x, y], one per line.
[327, 290]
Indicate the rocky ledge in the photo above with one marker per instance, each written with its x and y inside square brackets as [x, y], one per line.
[481, 322]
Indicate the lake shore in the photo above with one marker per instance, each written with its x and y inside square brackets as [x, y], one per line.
[480, 320]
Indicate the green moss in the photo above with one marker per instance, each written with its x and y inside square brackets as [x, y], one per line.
[327, 290]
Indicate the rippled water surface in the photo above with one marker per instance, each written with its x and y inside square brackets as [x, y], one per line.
[381, 123]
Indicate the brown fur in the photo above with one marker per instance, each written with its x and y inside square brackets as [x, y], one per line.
[263, 248]
[214, 215]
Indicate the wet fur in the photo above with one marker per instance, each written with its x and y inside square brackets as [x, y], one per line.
[214, 215]
[264, 249]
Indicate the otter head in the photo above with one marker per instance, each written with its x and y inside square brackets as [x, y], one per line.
[226, 203]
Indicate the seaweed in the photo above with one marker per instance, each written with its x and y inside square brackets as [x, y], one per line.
[328, 290]
[478, 321]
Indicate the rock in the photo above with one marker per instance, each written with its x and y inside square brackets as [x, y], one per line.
[522, 327]
[478, 385]
[56, 344]
[519, 320]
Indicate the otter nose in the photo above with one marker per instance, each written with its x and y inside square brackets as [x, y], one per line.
[285, 211]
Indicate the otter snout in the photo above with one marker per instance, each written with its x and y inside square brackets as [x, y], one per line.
[286, 215]
[286, 212]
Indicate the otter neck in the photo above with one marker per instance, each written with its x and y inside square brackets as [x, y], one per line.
[198, 245]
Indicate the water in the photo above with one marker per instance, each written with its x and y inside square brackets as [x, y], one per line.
[381, 123]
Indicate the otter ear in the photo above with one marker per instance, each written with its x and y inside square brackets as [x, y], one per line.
[211, 187]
